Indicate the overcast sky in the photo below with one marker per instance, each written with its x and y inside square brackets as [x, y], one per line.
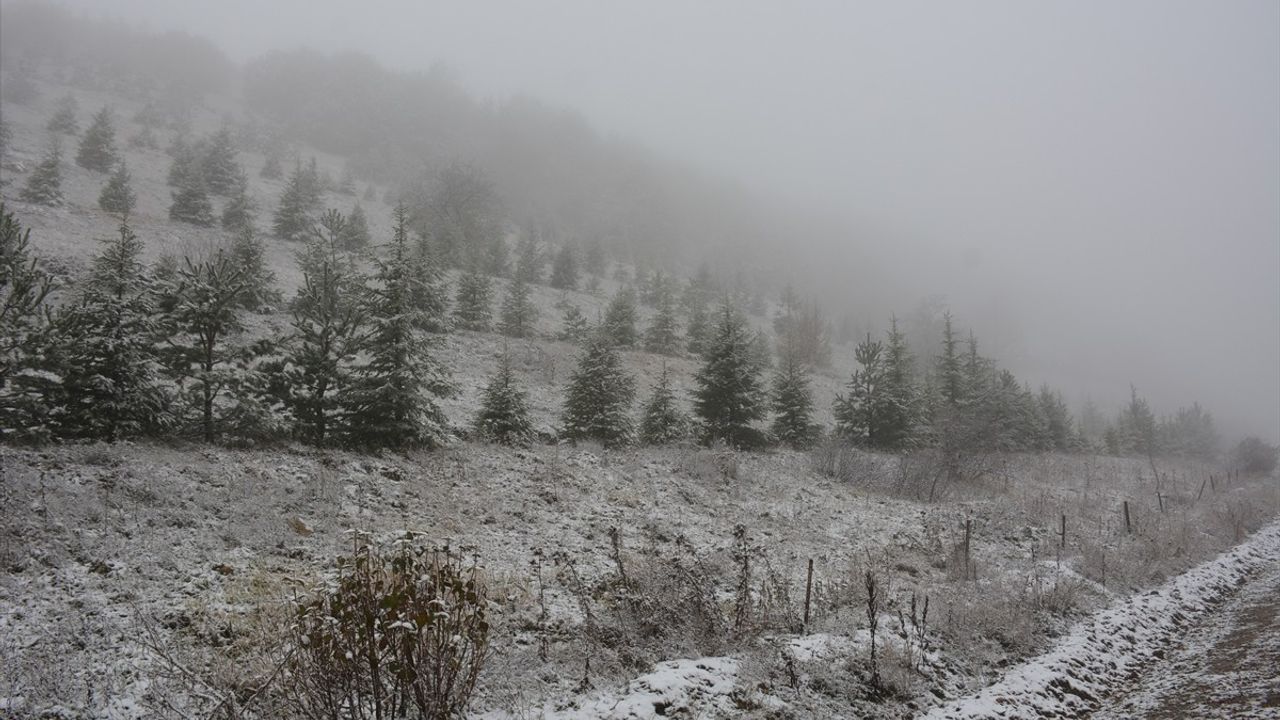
[1095, 183]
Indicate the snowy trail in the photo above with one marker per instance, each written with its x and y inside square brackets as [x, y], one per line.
[1228, 667]
[1118, 644]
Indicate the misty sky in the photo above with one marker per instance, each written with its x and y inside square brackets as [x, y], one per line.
[1094, 185]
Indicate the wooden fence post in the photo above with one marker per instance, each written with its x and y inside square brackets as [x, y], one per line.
[1128, 527]
[808, 593]
[1063, 531]
[968, 563]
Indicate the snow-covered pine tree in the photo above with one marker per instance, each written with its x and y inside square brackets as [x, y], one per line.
[564, 269]
[430, 286]
[697, 330]
[394, 400]
[619, 323]
[249, 254]
[298, 204]
[191, 203]
[504, 415]
[202, 321]
[24, 288]
[529, 260]
[662, 335]
[663, 422]
[901, 410]
[355, 236]
[858, 414]
[518, 311]
[241, 209]
[598, 399]
[185, 162]
[64, 116]
[729, 397]
[328, 322]
[44, 186]
[950, 369]
[574, 327]
[793, 404]
[105, 349]
[218, 162]
[98, 146]
[117, 196]
[473, 305]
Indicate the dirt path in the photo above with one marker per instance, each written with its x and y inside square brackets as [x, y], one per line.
[1227, 667]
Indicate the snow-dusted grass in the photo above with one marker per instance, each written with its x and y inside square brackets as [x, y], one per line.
[201, 545]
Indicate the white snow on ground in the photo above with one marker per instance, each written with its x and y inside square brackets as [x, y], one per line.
[1116, 643]
[683, 688]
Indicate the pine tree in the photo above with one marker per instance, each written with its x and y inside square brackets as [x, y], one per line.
[185, 164]
[518, 311]
[298, 204]
[859, 414]
[1057, 419]
[355, 237]
[473, 307]
[248, 253]
[1140, 425]
[619, 323]
[191, 204]
[241, 210]
[529, 259]
[663, 422]
[44, 186]
[394, 402]
[218, 163]
[599, 395]
[900, 411]
[24, 288]
[203, 319]
[698, 329]
[574, 327]
[504, 415]
[564, 269]
[949, 369]
[64, 117]
[793, 404]
[328, 322]
[105, 350]
[117, 196]
[729, 397]
[661, 336]
[98, 146]
[430, 287]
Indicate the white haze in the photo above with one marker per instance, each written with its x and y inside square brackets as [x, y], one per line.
[1094, 186]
